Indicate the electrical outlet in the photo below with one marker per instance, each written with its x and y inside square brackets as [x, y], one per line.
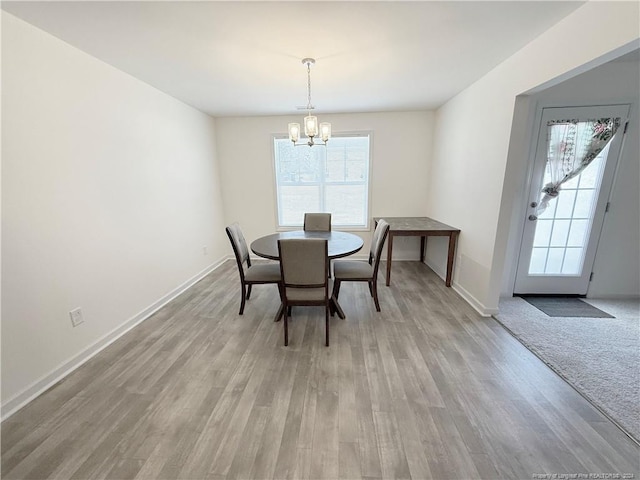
[76, 317]
[204, 250]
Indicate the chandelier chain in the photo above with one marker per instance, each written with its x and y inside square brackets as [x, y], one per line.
[309, 86]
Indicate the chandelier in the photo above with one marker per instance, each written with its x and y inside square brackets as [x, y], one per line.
[310, 121]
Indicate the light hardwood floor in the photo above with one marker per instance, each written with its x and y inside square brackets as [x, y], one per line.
[425, 389]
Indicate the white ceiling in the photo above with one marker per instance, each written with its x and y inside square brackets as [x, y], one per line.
[244, 58]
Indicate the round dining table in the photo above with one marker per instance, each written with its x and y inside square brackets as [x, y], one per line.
[339, 244]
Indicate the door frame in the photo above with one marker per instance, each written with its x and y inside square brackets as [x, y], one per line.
[518, 217]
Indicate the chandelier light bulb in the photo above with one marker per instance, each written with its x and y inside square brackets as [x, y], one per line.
[294, 132]
[311, 126]
[325, 131]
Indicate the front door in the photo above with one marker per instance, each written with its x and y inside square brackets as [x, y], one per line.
[559, 242]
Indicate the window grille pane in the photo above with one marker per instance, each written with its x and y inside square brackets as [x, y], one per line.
[566, 200]
[560, 233]
[295, 166]
[554, 260]
[346, 205]
[578, 233]
[335, 167]
[295, 200]
[572, 261]
[543, 233]
[585, 202]
[332, 178]
[538, 260]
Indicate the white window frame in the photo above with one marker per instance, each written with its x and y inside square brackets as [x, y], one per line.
[366, 226]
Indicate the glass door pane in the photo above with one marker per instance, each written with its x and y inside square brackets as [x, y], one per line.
[562, 230]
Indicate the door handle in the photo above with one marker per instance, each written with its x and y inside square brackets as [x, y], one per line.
[533, 217]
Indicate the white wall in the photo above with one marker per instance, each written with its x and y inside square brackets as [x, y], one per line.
[401, 146]
[617, 263]
[467, 186]
[110, 190]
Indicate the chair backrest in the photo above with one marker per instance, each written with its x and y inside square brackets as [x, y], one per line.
[317, 222]
[379, 236]
[304, 262]
[239, 246]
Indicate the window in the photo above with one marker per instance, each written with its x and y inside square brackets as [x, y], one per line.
[332, 178]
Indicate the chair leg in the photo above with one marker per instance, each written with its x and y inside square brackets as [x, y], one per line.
[249, 291]
[336, 288]
[286, 326]
[242, 296]
[326, 323]
[374, 289]
[281, 309]
[370, 287]
[279, 313]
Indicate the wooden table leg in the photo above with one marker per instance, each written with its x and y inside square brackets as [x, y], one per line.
[389, 253]
[423, 243]
[453, 236]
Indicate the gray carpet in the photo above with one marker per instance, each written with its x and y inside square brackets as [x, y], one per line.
[566, 307]
[600, 357]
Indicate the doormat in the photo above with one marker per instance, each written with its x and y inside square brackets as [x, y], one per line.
[566, 307]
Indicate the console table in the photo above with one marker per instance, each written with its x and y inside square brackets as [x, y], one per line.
[421, 227]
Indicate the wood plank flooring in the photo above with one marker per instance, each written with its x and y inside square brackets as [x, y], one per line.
[424, 389]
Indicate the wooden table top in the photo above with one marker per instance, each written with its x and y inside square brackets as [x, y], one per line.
[416, 224]
[339, 244]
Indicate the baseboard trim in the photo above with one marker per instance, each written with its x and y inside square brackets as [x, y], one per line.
[466, 296]
[14, 404]
[441, 273]
[473, 301]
